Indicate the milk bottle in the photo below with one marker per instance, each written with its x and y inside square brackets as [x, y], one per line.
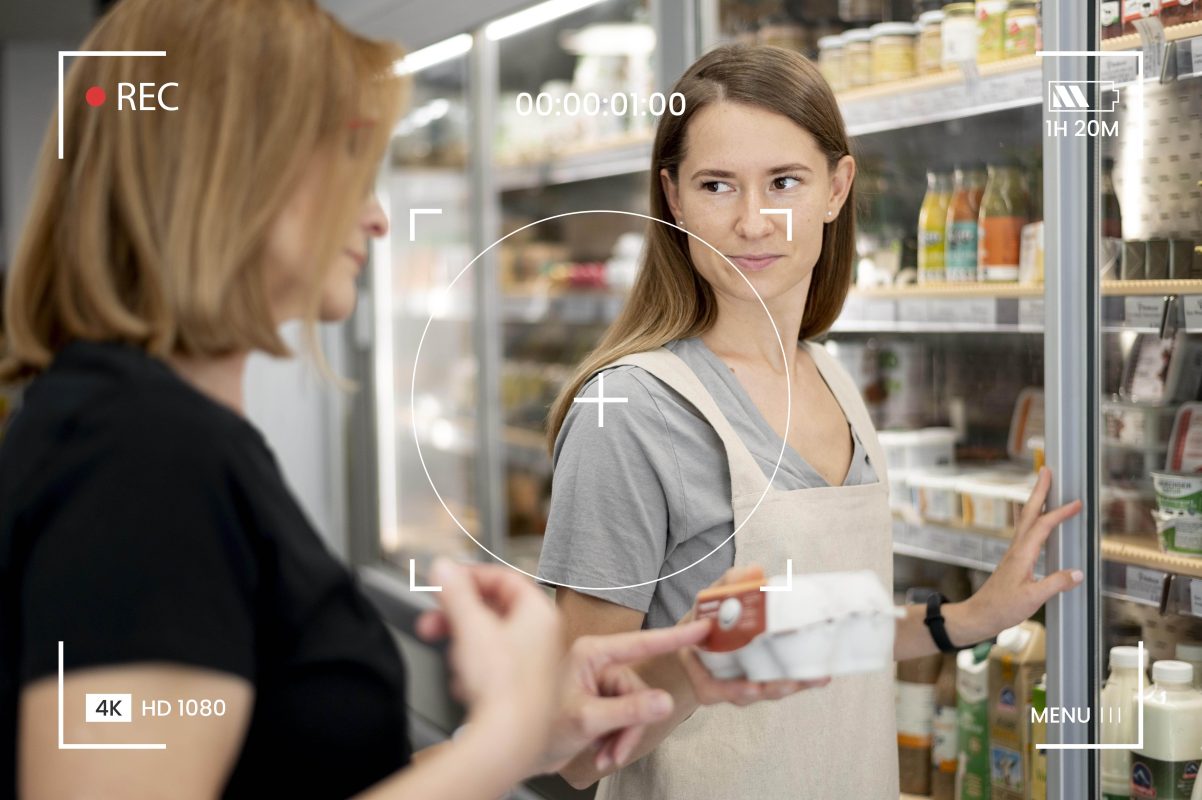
[1118, 719]
[1167, 767]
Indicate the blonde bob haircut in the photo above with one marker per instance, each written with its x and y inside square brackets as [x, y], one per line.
[670, 300]
[152, 228]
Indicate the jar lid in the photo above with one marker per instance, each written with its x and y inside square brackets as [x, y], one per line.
[1124, 657]
[960, 8]
[1023, 4]
[830, 42]
[930, 17]
[857, 35]
[1189, 651]
[894, 29]
[1172, 672]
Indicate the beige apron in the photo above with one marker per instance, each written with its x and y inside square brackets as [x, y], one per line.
[835, 742]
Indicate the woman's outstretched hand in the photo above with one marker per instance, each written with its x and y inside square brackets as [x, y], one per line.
[1012, 593]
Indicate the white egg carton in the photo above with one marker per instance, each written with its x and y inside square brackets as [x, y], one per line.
[828, 624]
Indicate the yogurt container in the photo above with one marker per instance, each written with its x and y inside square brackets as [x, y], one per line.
[1180, 534]
[827, 624]
[1178, 492]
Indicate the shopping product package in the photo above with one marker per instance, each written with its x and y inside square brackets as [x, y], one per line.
[972, 723]
[827, 624]
[1015, 664]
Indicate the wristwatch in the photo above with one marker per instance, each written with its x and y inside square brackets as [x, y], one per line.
[934, 622]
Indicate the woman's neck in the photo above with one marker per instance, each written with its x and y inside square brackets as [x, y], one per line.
[220, 378]
[743, 332]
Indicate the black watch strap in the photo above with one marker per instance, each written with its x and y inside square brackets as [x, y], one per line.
[934, 623]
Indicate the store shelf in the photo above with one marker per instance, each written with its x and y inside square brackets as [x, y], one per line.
[1134, 569]
[624, 156]
[947, 95]
[1137, 306]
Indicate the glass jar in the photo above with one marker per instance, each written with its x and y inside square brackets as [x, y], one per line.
[893, 48]
[991, 30]
[861, 10]
[959, 33]
[831, 62]
[1022, 28]
[857, 56]
[786, 34]
[1004, 212]
[930, 42]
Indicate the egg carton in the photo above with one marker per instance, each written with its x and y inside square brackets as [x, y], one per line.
[827, 624]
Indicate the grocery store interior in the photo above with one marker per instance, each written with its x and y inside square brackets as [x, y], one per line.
[1027, 290]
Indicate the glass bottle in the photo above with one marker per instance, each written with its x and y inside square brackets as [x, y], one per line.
[1004, 211]
[932, 217]
[961, 227]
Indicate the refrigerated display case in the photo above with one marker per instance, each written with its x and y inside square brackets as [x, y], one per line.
[1079, 348]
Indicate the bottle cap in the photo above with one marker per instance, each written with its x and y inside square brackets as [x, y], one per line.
[1189, 651]
[1124, 657]
[1172, 672]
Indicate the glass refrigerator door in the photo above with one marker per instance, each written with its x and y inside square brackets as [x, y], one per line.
[1148, 187]
[424, 406]
[574, 121]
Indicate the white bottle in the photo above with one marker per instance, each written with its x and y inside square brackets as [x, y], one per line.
[1118, 720]
[1166, 767]
[1191, 653]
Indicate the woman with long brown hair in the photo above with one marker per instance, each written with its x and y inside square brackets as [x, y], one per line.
[696, 476]
[149, 548]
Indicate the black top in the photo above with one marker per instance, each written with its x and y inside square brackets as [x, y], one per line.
[142, 521]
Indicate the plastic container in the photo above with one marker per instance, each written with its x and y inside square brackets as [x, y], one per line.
[838, 623]
[857, 56]
[1138, 425]
[921, 449]
[1118, 718]
[894, 48]
[935, 495]
[928, 57]
[1191, 653]
[1166, 767]
[832, 62]
[992, 501]
[1179, 534]
[1127, 508]
[972, 729]
[1178, 492]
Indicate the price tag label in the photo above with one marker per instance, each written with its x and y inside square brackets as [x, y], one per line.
[1145, 585]
[942, 310]
[1192, 303]
[1143, 312]
[913, 309]
[874, 309]
[1195, 598]
[1195, 53]
[1030, 311]
[982, 310]
[1120, 69]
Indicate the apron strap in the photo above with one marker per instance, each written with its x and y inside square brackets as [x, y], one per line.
[849, 397]
[746, 477]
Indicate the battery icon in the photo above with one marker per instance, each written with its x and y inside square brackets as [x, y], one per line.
[1068, 96]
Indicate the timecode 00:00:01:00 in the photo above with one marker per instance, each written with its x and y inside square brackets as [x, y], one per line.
[592, 104]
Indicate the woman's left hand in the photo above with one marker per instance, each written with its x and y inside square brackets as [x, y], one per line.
[1012, 593]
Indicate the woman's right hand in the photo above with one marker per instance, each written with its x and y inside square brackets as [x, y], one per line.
[506, 647]
[709, 690]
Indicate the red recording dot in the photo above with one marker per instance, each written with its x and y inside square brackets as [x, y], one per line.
[95, 96]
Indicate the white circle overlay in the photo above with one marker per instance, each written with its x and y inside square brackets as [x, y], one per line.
[779, 457]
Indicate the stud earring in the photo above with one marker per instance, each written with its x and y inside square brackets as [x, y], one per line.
[680, 223]
[830, 213]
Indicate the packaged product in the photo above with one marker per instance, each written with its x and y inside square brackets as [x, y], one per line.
[857, 56]
[1160, 371]
[960, 232]
[1179, 534]
[1039, 735]
[837, 623]
[915, 691]
[1118, 719]
[944, 746]
[1022, 27]
[991, 30]
[1004, 212]
[1178, 493]
[1167, 766]
[893, 51]
[972, 723]
[1138, 425]
[926, 448]
[1026, 424]
[935, 495]
[1191, 653]
[1015, 664]
[993, 500]
[930, 42]
[1185, 441]
[932, 220]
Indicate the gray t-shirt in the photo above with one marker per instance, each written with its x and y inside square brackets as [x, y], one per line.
[649, 493]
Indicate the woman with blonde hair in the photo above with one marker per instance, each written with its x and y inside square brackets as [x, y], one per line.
[149, 548]
[696, 477]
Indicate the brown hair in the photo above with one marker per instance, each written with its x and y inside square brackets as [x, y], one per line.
[152, 228]
[669, 299]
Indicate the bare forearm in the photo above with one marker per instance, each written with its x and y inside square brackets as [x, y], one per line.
[664, 673]
[965, 626]
[471, 767]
